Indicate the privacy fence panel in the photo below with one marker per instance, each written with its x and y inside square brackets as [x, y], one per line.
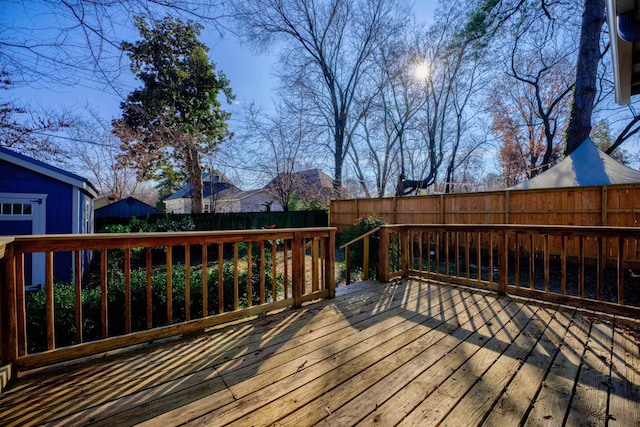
[236, 221]
[608, 205]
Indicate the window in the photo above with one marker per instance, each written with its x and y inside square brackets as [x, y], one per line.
[16, 209]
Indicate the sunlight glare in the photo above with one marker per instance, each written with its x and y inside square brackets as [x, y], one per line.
[421, 71]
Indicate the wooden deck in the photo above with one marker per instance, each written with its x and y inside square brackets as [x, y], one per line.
[409, 353]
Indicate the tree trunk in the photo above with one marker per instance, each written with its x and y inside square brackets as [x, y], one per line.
[195, 177]
[340, 125]
[586, 75]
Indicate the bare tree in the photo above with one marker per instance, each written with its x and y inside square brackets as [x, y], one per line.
[491, 15]
[389, 115]
[512, 109]
[550, 78]
[589, 55]
[330, 44]
[27, 131]
[448, 85]
[84, 41]
[101, 157]
[529, 109]
[468, 78]
[281, 139]
[601, 136]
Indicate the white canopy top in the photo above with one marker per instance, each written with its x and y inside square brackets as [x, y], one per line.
[587, 165]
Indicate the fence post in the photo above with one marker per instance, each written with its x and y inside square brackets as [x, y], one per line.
[507, 207]
[297, 272]
[8, 316]
[503, 262]
[383, 253]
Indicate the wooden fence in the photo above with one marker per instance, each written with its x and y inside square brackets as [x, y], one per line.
[234, 220]
[607, 205]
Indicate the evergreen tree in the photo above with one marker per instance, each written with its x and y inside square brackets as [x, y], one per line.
[176, 116]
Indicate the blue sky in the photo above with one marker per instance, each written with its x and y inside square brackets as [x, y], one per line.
[250, 72]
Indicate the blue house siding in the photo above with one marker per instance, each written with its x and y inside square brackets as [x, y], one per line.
[64, 202]
[126, 208]
[14, 179]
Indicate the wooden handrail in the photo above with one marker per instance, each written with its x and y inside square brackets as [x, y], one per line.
[362, 236]
[504, 255]
[365, 255]
[148, 255]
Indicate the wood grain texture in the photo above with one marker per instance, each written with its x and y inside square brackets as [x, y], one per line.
[411, 352]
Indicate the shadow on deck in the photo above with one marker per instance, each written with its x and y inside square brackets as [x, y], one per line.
[410, 352]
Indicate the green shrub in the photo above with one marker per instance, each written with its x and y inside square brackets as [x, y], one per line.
[64, 300]
[145, 224]
[363, 225]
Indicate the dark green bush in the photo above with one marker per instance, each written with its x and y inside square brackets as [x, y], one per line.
[64, 300]
[363, 225]
[144, 224]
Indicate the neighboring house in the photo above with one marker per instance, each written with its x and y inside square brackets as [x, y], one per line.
[125, 208]
[308, 185]
[103, 200]
[37, 198]
[249, 201]
[214, 186]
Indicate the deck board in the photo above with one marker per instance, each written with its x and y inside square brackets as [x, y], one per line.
[404, 353]
[516, 399]
[624, 404]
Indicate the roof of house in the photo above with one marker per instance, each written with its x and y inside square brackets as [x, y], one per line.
[50, 171]
[586, 165]
[126, 208]
[309, 177]
[312, 178]
[207, 189]
[243, 194]
[624, 32]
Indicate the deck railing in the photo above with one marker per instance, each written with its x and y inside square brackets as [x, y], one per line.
[128, 289]
[594, 267]
[364, 238]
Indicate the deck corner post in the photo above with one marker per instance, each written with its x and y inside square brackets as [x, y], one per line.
[503, 262]
[8, 314]
[383, 253]
[330, 257]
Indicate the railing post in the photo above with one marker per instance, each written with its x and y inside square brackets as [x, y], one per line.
[347, 260]
[383, 264]
[503, 262]
[405, 253]
[329, 265]
[297, 272]
[365, 258]
[8, 317]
